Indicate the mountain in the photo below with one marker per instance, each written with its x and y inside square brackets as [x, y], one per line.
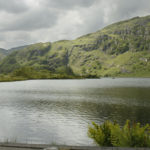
[120, 49]
[3, 53]
[16, 48]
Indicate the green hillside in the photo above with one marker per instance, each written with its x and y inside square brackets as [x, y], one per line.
[16, 48]
[120, 49]
[3, 53]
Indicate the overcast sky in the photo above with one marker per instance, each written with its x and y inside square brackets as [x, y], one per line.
[29, 21]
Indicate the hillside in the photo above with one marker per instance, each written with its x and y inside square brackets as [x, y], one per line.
[16, 48]
[120, 49]
[3, 53]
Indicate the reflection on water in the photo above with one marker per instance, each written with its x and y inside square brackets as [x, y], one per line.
[59, 111]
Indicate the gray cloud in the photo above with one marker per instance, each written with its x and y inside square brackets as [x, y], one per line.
[129, 8]
[30, 21]
[13, 6]
[68, 4]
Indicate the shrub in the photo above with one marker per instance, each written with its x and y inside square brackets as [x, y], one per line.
[111, 134]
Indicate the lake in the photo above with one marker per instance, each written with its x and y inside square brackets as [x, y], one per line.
[59, 111]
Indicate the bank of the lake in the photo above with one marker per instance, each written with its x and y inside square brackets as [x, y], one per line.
[17, 146]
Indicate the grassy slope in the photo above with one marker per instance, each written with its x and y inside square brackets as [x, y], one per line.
[3, 53]
[121, 49]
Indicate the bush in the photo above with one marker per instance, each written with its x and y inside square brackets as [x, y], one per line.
[111, 134]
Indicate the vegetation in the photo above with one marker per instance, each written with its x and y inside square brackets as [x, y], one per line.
[26, 73]
[111, 134]
[119, 50]
[3, 53]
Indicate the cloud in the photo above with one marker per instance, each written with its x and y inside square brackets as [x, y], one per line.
[13, 6]
[121, 10]
[30, 21]
[69, 4]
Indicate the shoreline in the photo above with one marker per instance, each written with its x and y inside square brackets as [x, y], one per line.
[1, 81]
[21, 146]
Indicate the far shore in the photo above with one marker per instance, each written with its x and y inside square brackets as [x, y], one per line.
[15, 80]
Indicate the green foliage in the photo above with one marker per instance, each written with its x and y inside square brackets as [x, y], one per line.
[3, 53]
[111, 134]
[26, 73]
[101, 134]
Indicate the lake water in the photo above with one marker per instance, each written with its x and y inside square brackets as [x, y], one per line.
[59, 111]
